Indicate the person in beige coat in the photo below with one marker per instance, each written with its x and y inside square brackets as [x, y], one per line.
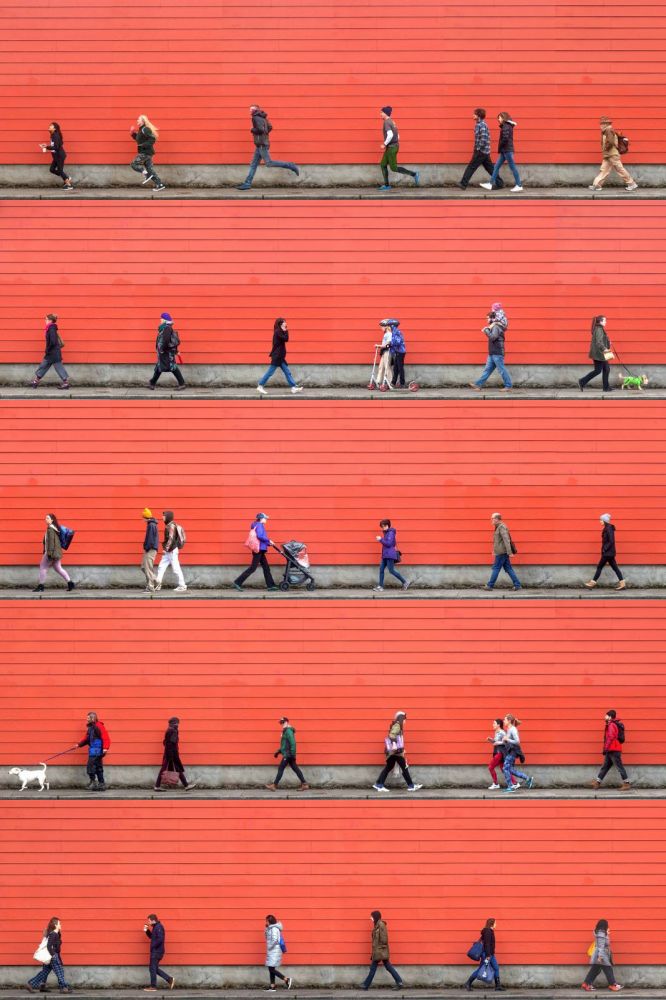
[611, 158]
[502, 550]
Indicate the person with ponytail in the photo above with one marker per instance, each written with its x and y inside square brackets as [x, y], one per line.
[278, 356]
[146, 135]
[50, 947]
[600, 347]
[488, 957]
[514, 750]
[55, 146]
[52, 554]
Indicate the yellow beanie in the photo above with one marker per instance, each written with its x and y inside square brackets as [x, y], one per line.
[147, 512]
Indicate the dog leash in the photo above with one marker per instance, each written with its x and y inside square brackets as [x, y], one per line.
[628, 370]
[62, 754]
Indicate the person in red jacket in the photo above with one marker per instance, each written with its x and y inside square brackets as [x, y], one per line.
[613, 752]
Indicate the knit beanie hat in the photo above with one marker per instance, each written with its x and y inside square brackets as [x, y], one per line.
[167, 317]
[387, 110]
[606, 518]
[147, 512]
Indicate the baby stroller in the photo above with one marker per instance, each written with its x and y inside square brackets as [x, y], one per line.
[297, 565]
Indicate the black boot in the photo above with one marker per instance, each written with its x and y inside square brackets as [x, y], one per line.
[468, 985]
[71, 585]
[39, 589]
[498, 985]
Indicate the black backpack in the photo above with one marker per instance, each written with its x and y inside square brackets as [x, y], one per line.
[620, 730]
[174, 341]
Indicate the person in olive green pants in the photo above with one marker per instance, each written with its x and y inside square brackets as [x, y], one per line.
[390, 146]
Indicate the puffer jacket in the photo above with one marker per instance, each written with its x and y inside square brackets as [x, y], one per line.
[273, 949]
[608, 541]
[380, 942]
[145, 141]
[93, 740]
[495, 334]
[389, 545]
[599, 343]
[505, 144]
[602, 954]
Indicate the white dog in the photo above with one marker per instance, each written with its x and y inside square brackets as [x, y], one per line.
[26, 776]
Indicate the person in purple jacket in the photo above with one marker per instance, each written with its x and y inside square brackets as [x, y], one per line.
[258, 558]
[390, 555]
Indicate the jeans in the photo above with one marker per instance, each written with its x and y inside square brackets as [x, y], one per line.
[479, 160]
[258, 559]
[46, 564]
[143, 163]
[148, 568]
[155, 970]
[613, 757]
[399, 369]
[282, 767]
[273, 972]
[600, 368]
[503, 562]
[174, 371]
[263, 153]
[55, 965]
[610, 561]
[59, 367]
[284, 368]
[389, 564]
[170, 559]
[389, 161]
[501, 160]
[596, 969]
[399, 759]
[495, 361]
[509, 769]
[95, 768]
[492, 962]
[389, 968]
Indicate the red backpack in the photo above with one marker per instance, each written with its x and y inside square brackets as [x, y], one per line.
[106, 739]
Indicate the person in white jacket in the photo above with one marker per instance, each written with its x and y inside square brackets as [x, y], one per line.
[274, 952]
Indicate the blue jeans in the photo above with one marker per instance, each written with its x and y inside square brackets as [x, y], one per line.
[284, 368]
[509, 769]
[389, 564]
[503, 562]
[495, 361]
[263, 153]
[155, 970]
[373, 968]
[492, 962]
[501, 160]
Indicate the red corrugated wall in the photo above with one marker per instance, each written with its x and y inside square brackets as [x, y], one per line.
[324, 70]
[436, 871]
[337, 669]
[225, 271]
[327, 472]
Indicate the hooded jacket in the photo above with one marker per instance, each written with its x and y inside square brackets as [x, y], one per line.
[380, 942]
[273, 950]
[599, 343]
[602, 949]
[495, 334]
[506, 137]
[288, 742]
[388, 543]
[278, 353]
[608, 541]
[611, 742]
[51, 545]
[260, 128]
[152, 539]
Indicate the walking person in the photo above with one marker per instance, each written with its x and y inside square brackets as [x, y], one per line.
[488, 956]
[261, 129]
[146, 135]
[56, 147]
[601, 959]
[150, 546]
[514, 752]
[166, 345]
[258, 542]
[275, 948]
[171, 757]
[506, 149]
[498, 740]
[614, 736]
[390, 147]
[50, 948]
[495, 331]
[503, 549]
[287, 749]
[172, 543]
[394, 749]
[52, 354]
[390, 555]
[398, 351]
[52, 554]
[610, 151]
[278, 356]
[601, 353]
[380, 953]
[608, 554]
[481, 154]
[94, 740]
[154, 931]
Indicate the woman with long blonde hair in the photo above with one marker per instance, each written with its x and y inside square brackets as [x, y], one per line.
[146, 135]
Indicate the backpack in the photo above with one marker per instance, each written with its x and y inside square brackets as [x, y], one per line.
[174, 341]
[621, 735]
[66, 536]
[622, 143]
[103, 732]
[252, 541]
[181, 537]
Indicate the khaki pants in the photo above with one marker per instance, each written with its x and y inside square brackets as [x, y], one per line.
[148, 568]
[384, 368]
[612, 163]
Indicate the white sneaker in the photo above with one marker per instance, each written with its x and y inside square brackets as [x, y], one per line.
[380, 590]
[414, 788]
[180, 590]
[492, 788]
[296, 388]
[632, 186]
[516, 188]
[261, 389]
[380, 788]
[148, 177]
[158, 586]
[486, 185]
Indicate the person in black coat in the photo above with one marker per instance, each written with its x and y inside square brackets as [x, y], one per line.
[488, 956]
[278, 356]
[56, 148]
[166, 346]
[608, 554]
[261, 129]
[53, 938]
[154, 931]
[506, 150]
[52, 354]
[171, 757]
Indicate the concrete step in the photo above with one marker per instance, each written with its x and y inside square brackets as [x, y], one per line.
[342, 993]
[333, 794]
[56, 592]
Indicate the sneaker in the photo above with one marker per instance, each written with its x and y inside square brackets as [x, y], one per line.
[147, 177]
[237, 586]
[159, 187]
[487, 586]
[64, 385]
[150, 989]
[270, 989]
[181, 388]
[414, 788]
[506, 388]
[296, 388]
[630, 187]
[157, 788]
[380, 788]
[407, 584]
[243, 187]
[385, 187]
[272, 587]
[592, 187]
[379, 590]
[151, 386]
[615, 988]
[625, 786]
[101, 787]
[511, 788]
[304, 787]
[493, 787]
[70, 586]
[530, 782]
[190, 785]
[594, 784]
[287, 983]
[417, 179]
[158, 586]
[487, 186]
[261, 389]
[180, 590]
[70, 187]
[272, 787]
[516, 188]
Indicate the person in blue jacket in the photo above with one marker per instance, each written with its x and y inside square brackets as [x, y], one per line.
[389, 555]
[154, 931]
[258, 558]
[398, 351]
[94, 767]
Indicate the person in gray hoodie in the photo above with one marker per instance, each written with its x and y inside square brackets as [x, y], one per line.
[261, 129]
[495, 332]
[601, 959]
[275, 948]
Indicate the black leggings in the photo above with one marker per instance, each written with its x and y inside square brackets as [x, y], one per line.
[600, 368]
[273, 972]
[610, 561]
[395, 758]
[399, 369]
[58, 167]
[174, 371]
[284, 764]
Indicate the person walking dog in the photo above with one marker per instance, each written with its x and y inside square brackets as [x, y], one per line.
[495, 331]
[56, 147]
[608, 554]
[506, 149]
[390, 147]
[275, 948]
[278, 356]
[287, 749]
[394, 749]
[261, 129]
[390, 555]
[146, 135]
[52, 354]
[488, 956]
[503, 549]
[601, 353]
[258, 542]
[172, 543]
[614, 736]
[166, 345]
[171, 757]
[154, 931]
[611, 159]
[151, 543]
[481, 154]
[94, 740]
[601, 959]
[52, 554]
[49, 953]
[380, 953]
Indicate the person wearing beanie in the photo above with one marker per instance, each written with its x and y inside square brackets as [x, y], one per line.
[613, 743]
[258, 542]
[611, 160]
[495, 331]
[506, 150]
[174, 539]
[166, 345]
[481, 152]
[278, 356]
[608, 554]
[171, 757]
[52, 354]
[261, 129]
[145, 134]
[600, 346]
[380, 953]
[503, 549]
[394, 749]
[390, 147]
[287, 749]
[150, 546]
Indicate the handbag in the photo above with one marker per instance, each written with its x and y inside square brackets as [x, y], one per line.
[609, 355]
[43, 954]
[590, 950]
[476, 951]
[170, 778]
[398, 556]
[487, 973]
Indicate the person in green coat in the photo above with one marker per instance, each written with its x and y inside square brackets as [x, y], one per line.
[287, 750]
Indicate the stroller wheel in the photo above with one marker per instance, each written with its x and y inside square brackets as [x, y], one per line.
[284, 585]
[414, 387]
[310, 585]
